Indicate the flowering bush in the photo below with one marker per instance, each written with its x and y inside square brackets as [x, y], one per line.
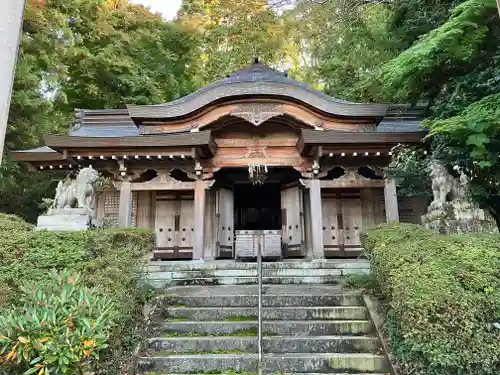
[110, 263]
[59, 329]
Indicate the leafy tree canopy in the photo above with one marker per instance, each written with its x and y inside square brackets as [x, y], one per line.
[86, 54]
[457, 68]
[231, 32]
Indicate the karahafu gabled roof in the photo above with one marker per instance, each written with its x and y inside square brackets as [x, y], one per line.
[256, 80]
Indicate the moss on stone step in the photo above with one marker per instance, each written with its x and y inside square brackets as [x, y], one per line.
[213, 372]
[239, 332]
[217, 351]
[241, 318]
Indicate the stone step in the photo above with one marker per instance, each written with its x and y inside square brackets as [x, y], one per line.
[271, 272]
[341, 299]
[326, 362]
[276, 344]
[273, 313]
[321, 344]
[287, 327]
[343, 264]
[231, 372]
[160, 282]
[298, 362]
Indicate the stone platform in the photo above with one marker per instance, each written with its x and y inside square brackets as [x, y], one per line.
[230, 272]
[65, 219]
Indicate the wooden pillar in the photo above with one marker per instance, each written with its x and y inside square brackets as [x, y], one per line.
[210, 247]
[307, 224]
[144, 210]
[367, 208]
[391, 201]
[125, 210]
[199, 220]
[316, 216]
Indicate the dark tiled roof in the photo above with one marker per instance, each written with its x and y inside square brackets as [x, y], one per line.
[103, 123]
[112, 130]
[38, 154]
[42, 149]
[396, 125]
[256, 80]
[403, 118]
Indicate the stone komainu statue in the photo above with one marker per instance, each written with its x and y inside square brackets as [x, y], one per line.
[446, 188]
[442, 184]
[77, 193]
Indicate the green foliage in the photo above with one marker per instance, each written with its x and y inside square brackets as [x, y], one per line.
[444, 298]
[85, 54]
[363, 282]
[109, 261]
[60, 328]
[124, 55]
[471, 140]
[427, 65]
[348, 41]
[410, 19]
[456, 66]
[477, 127]
[410, 170]
[231, 32]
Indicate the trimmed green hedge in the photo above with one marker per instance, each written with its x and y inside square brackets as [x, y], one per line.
[110, 260]
[443, 295]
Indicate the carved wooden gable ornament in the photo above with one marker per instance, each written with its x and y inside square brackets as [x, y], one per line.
[257, 113]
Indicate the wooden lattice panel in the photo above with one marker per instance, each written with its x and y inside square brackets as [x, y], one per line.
[134, 209]
[111, 207]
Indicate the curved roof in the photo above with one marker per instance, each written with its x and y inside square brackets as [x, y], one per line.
[258, 80]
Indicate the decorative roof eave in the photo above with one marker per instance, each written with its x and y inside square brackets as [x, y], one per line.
[61, 142]
[226, 89]
[40, 154]
[340, 140]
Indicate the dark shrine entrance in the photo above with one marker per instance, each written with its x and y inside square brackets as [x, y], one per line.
[274, 207]
[257, 207]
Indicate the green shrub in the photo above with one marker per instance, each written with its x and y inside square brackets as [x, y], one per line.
[59, 329]
[108, 260]
[444, 298]
[363, 282]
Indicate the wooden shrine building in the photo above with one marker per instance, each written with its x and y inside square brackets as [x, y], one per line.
[185, 168]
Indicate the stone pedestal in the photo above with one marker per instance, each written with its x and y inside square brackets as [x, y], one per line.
[66, 219]
[458, 217]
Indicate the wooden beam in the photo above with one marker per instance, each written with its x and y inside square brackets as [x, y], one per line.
[164, 186]
[153, 152]
[339, 183]
[171, 140]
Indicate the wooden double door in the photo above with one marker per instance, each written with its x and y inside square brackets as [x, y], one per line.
[174, 226]
[342, 223]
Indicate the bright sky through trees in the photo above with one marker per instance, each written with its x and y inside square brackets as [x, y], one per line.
[168, 8]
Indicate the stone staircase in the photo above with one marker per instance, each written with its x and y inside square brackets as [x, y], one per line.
[308, 329]
[230, 272]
